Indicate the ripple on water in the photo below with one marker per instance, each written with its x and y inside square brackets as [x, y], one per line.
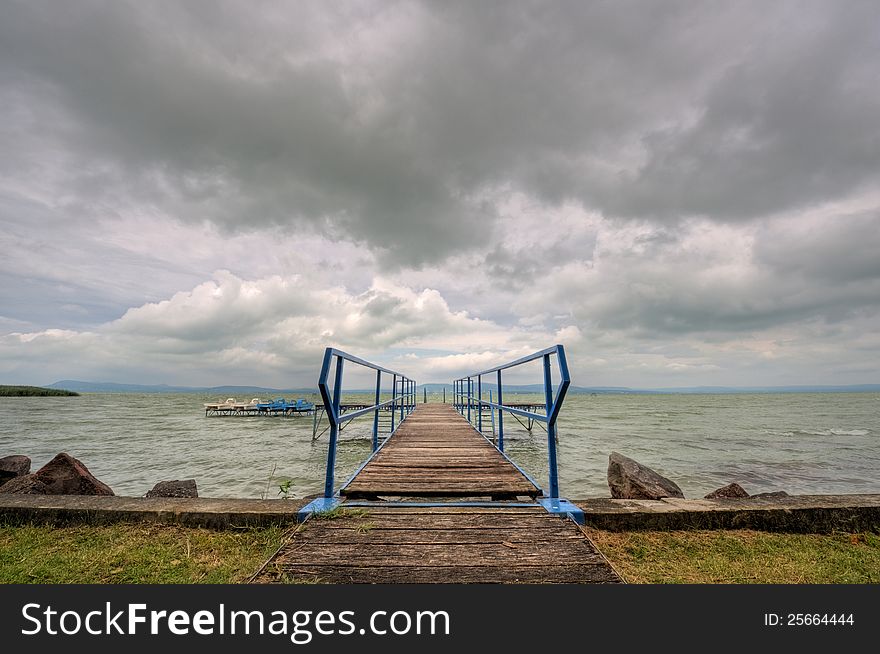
[800, 443]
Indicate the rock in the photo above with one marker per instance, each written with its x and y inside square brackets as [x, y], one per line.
[771, 495]
[176, 488]
[17, 464]
[65, 475]
[733, 490]
[13, 466]
[25, 485]
[630, 480]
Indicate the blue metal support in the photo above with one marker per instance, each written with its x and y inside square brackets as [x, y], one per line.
[500, 440]
[552, 406]
[332, 407]
[492, 414]
[480, 403]
[334, 429]
[393, 401]
[404, 397]
[376, 412]
[551, 430]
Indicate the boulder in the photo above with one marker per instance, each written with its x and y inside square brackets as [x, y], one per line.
[65, 475]
[25, 485]
[730, 491]
[771, 495]
[630, 480]
[13, 466]
[17, 464]
[176, 488]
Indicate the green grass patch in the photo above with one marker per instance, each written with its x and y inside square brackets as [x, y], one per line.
[133, 553]
[34, 391]
[742, 556]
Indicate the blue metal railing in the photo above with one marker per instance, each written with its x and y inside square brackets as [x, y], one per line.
[403, 399]
[470, 404]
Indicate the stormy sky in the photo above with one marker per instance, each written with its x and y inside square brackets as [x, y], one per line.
[206, 193]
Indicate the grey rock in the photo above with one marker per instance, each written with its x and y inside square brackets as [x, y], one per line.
[13, 466]
[628, 479]
[25, 485]
[65, 475]
[176, 488]
[730, 491]
[18, 464]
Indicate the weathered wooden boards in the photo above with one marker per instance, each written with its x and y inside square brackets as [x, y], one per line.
[438, 545]
[436, 453]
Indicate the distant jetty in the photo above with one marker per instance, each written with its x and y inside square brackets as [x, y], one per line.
[34, 391]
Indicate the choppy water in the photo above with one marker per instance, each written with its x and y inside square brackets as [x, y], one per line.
[801, 443]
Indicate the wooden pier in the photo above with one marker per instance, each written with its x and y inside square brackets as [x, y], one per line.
[435, 454]
[438, 545]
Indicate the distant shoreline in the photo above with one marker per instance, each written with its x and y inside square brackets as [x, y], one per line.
[34, 391]
[437, 388]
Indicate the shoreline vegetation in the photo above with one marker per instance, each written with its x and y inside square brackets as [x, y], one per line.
[152, 553]
[34, 391]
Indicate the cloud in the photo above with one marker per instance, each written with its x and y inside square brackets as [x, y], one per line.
[195, 191]
[265, 331]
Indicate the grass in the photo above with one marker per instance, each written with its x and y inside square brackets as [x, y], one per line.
[742, 556]
[34, 391]
[133, 553]
[171, 554]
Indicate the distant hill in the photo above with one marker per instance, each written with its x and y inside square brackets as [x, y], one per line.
[112, 387]
[616, 390]
[34, 391]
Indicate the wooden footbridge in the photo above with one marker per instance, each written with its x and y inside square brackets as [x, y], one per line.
[438, 501]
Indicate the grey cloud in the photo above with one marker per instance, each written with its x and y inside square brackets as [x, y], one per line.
[237, 115]
[841, 251]
[792, 124]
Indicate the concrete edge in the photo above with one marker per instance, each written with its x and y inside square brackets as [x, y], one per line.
[213, 513]
[794, 514]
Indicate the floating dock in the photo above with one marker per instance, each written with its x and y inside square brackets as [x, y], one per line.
[257, 407]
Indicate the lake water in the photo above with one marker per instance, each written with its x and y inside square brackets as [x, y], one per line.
[800, 443]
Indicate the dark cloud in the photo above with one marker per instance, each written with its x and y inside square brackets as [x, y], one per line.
[277, 117]
[791, 124]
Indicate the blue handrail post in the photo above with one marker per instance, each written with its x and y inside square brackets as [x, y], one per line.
[404, 397]
[480, 403]
[551, 430]
[469, 396]
[393, 401]
[331, 398]
[334, 429]
[500, 416]
[376, 412]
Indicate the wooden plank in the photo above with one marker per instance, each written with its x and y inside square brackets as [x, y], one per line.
[439, 477]
[456, 489]
[484, 535]
[558, 574]
[439, 554]
[450, 522]
[499, 510]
